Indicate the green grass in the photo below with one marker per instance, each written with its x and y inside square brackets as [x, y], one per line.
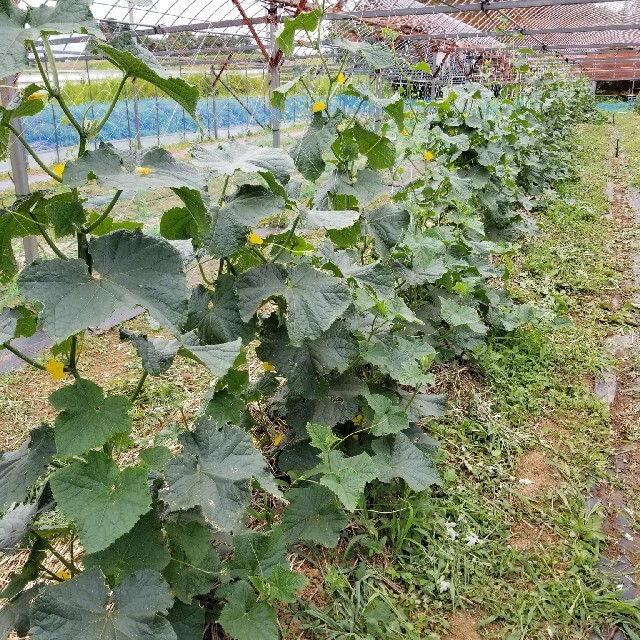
[414, 559]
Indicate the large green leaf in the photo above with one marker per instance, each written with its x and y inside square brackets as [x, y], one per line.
[65, 16]
[242, 211]
[29, 572]
[385, 225]
[227, 158]
[305, 366]
[103, 502]
[15, 614]
[313, 516]
[314, 219]
[257, 554]
[20, 469]
[315, 300]
[340, 404]
[397, 457]
[136, 61]
[342, 189]
[187, 620]
[375, 276]
[82, 608]
[424, 405]
[375, 56]
[158, 353]
[379, 150]
[13, 53]
[214, 472]
[128, 171]
[15, 525]
[141, 548]
[25, 103]
[245, 618]
[87, 419]
[66, 216]
[8, 324]
[306, 21]
[346, 476]
[388, 417]
[395, 356]
[308, 151]
[188, 222]
[393, 106]
[459, 314]
[17, 222]
[216, 318]
[135, 270]
[195, 565]
[283, 584]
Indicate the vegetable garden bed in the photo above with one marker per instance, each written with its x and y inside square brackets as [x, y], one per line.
[350, 428]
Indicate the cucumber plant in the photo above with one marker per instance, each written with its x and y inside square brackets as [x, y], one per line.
[394, 241]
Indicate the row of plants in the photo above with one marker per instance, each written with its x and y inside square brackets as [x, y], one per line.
[396, 243]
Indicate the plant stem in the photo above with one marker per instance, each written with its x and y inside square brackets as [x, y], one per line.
[56, 93]
[23, 356]
[138, 388]
[257, 254]
[224, 189]
[107, 115]
[287, 239]
[203, 275]
[32, 153]
[73, 357]
[96, 223]
[47, 238]
[41, 69]
[60, 557]
[48, 572]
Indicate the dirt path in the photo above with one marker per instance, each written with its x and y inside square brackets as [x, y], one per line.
[618, 388]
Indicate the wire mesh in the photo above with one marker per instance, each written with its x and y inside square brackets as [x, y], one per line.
[226, 48]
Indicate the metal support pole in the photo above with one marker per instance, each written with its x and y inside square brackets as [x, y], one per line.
[136, 113]
[19, 166]
[377, 114]
[274, 74]
[134, 88]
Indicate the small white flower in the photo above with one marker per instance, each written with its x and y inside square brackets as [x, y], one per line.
[525, 481]
[444, 586]
[471, 539]
[620, 587]
[451, 530]
[628, 536]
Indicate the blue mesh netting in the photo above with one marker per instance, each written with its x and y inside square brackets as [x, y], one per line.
[163, 117]
[616, 107]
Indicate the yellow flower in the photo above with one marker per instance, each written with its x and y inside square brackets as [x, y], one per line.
[63, 575]
[277, 440]
[465, 115]
[35, 96]
[341, 79]
[143, 171]
[58, 169]
[452, 132]
[319, 106]
[358, 420]
[267, 366]
[428, 156]
[254, 238]
[405, 132]
[55, 368]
